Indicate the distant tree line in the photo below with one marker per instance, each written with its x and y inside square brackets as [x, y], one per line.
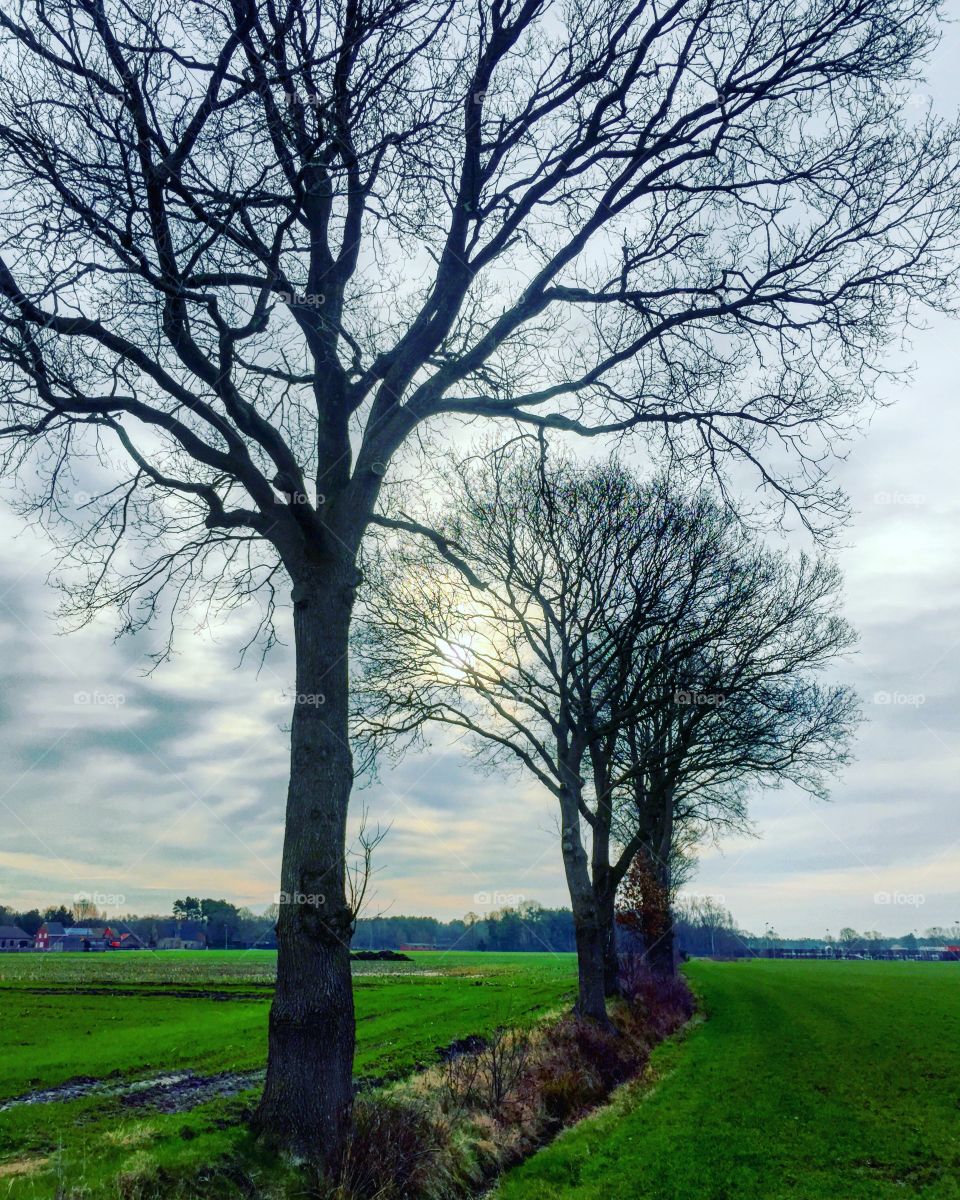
[528, 926]
[704, 928]
[224, 925]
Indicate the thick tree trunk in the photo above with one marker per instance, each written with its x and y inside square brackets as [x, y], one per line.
[611, 959]
[604, 881]
[587, 922]
[661, 953]
[658, 932]
[306, 1104]
[591, 941]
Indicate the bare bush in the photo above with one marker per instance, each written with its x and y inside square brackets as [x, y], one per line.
[461, 1073]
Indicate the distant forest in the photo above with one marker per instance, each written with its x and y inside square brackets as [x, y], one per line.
[703, 928]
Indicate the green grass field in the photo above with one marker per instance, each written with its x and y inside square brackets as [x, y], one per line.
[815, 1081]
[805, 1080]
[124, 1017]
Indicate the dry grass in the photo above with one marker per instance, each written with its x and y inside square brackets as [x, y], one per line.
[129, 1136]
[21, 1166]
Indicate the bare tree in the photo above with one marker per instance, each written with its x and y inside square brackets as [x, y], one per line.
[247, 249]
[732, 707]
[84, 910]
[633, 650]
[708, 926]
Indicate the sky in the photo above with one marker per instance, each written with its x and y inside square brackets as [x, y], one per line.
[135, 790]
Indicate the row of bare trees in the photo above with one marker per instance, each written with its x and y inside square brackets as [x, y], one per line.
[251, 252]
[626, 644]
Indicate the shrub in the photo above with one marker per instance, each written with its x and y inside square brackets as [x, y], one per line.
[398, 1149]
[461, 1073]
[501, 1066]
[665, 1001]
[612, 1058]
[582, 1064]
[489, 1102]
[568, 1091]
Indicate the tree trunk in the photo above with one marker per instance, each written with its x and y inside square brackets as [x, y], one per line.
[658, 932]
[611, 959]
[587, 923]
[591, 941]
[604, 881]
[307, 1099]
[661, 953]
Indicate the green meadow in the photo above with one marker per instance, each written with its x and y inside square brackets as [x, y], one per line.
[808, 1080]
[819, 1080]
[114, 1019]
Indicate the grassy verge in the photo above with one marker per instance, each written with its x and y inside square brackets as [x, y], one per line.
[812, 1081]
[447, 1132]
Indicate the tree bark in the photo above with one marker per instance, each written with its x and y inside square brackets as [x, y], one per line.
[661, 953]
[587, 922]
[307, 1099]
[658, 932]
[604, 883]
[591, 942]
[611, 959]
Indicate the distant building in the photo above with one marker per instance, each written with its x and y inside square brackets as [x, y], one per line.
[181, 935]
[86, 938]
[418, 946]
[14, 938]
[120, 937]
[50, 936]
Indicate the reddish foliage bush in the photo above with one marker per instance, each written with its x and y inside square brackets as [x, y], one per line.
[583, 1065]
[495, 1100]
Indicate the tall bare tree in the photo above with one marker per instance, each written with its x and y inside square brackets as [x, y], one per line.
[733, 705]
[635, 651]
[248, 248]
[737, 707]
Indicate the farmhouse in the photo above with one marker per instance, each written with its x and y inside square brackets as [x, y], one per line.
[12, 938]
[180, 935]
[50, 936]
[123, 939]
[86, 937]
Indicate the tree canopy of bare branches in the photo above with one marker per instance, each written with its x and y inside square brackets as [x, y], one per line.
[248, 249]
[633, 649]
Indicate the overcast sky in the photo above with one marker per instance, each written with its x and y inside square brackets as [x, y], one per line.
[138, 790]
